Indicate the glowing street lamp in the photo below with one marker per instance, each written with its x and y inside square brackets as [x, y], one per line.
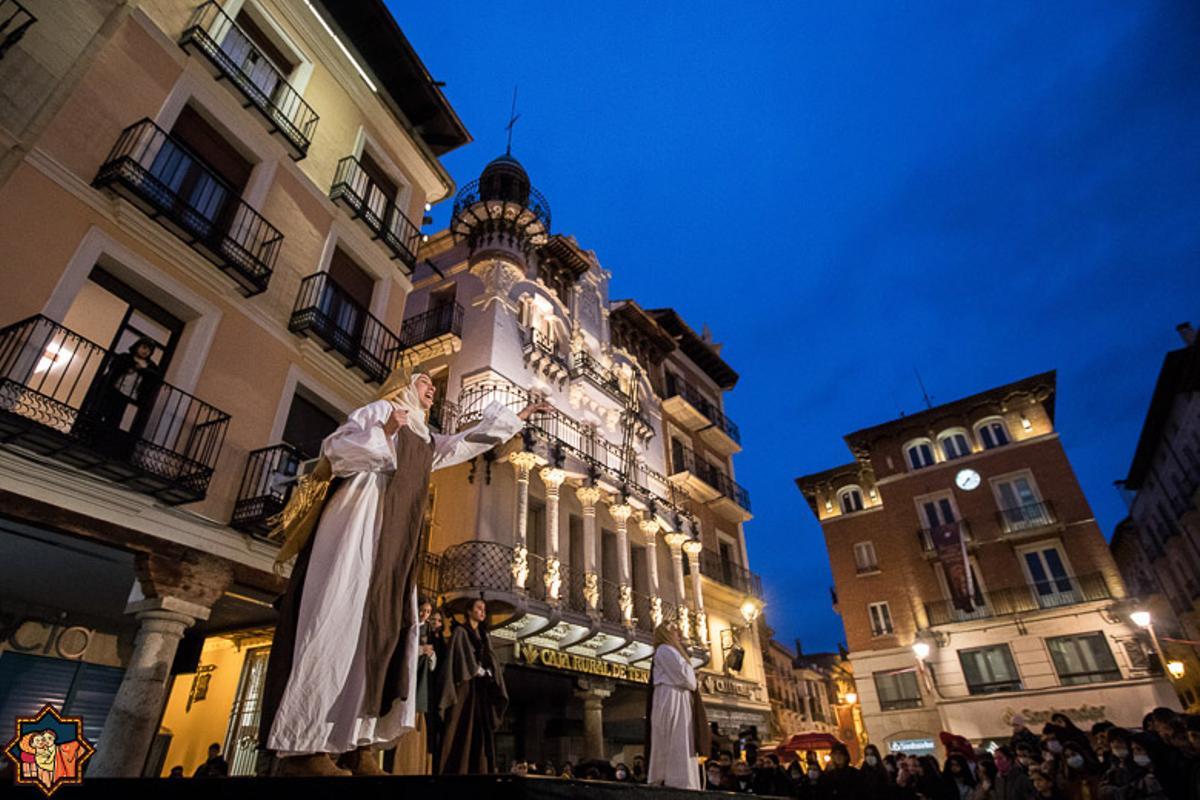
[750, 610]
[851, 697]
[1141, 618]
[1175, 668]
[920, 650]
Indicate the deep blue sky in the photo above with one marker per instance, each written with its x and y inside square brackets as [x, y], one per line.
[845, 190]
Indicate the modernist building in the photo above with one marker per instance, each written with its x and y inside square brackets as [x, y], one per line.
[600, 522]
[240, 184]
[972, 579]
[1158, 546]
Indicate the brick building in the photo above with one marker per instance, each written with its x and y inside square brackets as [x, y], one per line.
[1040, 620]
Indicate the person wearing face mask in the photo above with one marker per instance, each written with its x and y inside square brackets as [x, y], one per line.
[873, 775]
[1146, 784]
[1119, 776]
[840, 781]
[1012, 781]
[621, 773]
[1080, 776]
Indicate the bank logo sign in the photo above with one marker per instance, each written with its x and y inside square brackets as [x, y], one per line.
[48, 750]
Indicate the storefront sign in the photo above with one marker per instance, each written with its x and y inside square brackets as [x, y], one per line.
[570, 662]
[911, 747]
[51, 639]
[711, 683]
[1041, 716]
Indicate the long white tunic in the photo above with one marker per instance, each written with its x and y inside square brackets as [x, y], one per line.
[672, 746]
[320, 708]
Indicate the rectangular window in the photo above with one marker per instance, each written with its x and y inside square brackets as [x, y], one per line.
[920, 455]
[1020, 505]
[307, 426]
[955, 446]
[993, 434]
[881, 619]
[864, 557]
[1052, 586]
[990, 669]
[1084, 658]
[898, 690]
[937, 511]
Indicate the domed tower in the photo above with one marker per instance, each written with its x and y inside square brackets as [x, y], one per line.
[501, 211]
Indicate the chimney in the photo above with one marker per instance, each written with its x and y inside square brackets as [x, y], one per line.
[799, 649]
[1187, 333]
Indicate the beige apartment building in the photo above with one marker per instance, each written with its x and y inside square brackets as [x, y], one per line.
[240, 187]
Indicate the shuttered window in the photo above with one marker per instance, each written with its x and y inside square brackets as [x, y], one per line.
[74, 689]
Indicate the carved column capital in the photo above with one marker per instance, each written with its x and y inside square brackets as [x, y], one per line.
[524, 461]
[621, 512]
[553, 477]
[588, 497]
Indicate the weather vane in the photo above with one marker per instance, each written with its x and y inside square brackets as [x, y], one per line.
[512, 120]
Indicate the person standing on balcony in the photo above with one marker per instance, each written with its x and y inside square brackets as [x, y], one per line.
[126, 379]
[678, 728]
[341, 680]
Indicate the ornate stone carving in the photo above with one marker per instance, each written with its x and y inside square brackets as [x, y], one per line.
[498, 276]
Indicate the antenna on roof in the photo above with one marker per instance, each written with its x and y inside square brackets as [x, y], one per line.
[921, 383]
[512, 120]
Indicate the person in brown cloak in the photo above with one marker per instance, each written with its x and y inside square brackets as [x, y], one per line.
[473, 698]
[341, 679]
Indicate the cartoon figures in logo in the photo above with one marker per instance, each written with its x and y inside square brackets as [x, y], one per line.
[48, 750]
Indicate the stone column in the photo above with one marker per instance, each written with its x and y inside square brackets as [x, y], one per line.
[523, 462]
[588, 497]
[675, 540]
[593, 693]
[553, 478]
[620, 514]
[692, 548]
[649, 527]
[181, 591]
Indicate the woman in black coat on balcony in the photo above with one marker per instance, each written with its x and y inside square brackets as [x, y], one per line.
[129, 378]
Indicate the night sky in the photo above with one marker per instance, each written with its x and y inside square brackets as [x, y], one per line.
[844, 192]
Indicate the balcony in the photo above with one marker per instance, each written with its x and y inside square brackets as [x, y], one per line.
[1040, 596]
[925, 537]
[14, 21]
[443, 415]
[166, 181]
[542, 356]
[1026, 520]
[585, 367]
[329, 314]
[431, 334]
[63, 396]
[732, 575]
[265, 488]
[377, 210]
[687, 404]
[708, 484]
[232, 56]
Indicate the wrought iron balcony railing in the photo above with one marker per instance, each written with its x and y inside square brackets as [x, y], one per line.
[266, 485]
[235, 57]
[440, 321]
[443, 416]
[572, 438]
[1026, 518]
[378, 211]
[326, 311]
[66, 397]
[521, 214]
[677, 387]
[732, 575]
[15, 20]
[684, 459]
[1038, 596]
[925, 536]
[162, 177]
[588, 368]
[543, 346]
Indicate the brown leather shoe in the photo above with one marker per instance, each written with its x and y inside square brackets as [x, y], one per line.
[363, 761]
[317, 765]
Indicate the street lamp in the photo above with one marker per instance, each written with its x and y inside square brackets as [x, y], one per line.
[750, 610]
[1141, 618]
[1176, 669]
[920, 650]
[851, 697]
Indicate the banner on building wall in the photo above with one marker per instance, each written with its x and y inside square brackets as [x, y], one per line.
[951, 548]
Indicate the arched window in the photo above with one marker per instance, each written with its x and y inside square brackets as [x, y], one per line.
[919, 453]
[954, 443]
[850, 498]
[992, 433]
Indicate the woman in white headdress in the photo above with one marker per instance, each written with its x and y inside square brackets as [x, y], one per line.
[342, 671]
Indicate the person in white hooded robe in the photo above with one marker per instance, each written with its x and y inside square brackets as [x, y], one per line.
[673, 718]
[342, 673]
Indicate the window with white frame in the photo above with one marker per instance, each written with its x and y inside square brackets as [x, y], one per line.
[990, 669]
[919, 453]
[850, 498]
[1020, 503]
[954, 444]
[881, 619]
[1083, 658]
[897, 690]
[864, 557]
[992, 433]
[1049, 576]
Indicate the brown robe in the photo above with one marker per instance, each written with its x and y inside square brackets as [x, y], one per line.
[388, 612]
[472, 707]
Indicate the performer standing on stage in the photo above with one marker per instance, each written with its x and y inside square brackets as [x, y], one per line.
[341, 680]
[473, 698]
[678, 726]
